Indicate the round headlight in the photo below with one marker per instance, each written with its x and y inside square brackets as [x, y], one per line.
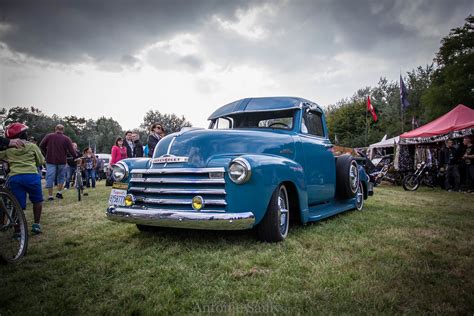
[418, 166]
[239, 170]
[119, 172]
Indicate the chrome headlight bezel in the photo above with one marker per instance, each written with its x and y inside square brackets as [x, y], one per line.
[120, 171]
[242, 165]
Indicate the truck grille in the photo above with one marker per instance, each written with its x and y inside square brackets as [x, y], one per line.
[174, 189]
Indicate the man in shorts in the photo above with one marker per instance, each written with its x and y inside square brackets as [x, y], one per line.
[23, 177]
[56, 146]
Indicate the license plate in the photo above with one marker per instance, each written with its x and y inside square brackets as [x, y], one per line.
[120, 185]
[117, 197]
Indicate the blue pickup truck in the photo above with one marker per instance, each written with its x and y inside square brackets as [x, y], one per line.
[262, 163]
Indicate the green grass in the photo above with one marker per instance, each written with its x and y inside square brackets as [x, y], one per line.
[407, 252]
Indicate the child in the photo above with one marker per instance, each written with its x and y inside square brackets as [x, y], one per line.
[89, 163]
[24, 178]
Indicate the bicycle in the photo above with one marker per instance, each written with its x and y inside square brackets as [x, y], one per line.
[13, 225]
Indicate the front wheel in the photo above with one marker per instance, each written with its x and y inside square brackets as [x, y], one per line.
[410, 183]
[13, 229]
[274, 225]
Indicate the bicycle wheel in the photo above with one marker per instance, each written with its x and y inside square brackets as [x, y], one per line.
[13, 229]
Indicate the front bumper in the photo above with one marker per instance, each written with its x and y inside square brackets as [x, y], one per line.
[180, 219]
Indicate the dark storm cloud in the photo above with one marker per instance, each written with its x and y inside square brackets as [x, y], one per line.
[307, 32]
[300, 33]
[72, 31]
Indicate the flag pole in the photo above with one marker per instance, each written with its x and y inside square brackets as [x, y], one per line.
[366, 125]
[401, 103]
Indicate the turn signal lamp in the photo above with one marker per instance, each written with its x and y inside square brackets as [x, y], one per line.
[198, 203]
[129, 200]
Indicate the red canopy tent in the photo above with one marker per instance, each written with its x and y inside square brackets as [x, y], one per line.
[458, 122]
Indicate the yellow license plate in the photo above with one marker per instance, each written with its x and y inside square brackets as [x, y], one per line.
[120, 185]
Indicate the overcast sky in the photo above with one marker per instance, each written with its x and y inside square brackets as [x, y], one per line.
[122, 58]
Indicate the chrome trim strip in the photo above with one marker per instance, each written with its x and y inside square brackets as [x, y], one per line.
[177, 180]
[171, 144]
[179, 219]
[177, 170]
[182, 201]
[178, 191]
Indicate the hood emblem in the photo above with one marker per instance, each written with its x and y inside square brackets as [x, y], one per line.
[170, 159]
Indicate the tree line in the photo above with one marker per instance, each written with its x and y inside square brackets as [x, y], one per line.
[433, 90]
[98, 134]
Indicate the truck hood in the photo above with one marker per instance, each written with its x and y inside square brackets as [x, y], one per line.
[200, 146]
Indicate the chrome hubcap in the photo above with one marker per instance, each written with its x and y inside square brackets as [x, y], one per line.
[283, 211]
[360, 197]
[354, 177]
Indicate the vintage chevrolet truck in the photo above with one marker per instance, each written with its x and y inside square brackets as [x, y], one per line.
[262, 163]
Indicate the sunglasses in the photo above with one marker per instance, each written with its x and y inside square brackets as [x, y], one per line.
[159, 127]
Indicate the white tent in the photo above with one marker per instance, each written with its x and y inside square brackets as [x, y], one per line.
[384, 143]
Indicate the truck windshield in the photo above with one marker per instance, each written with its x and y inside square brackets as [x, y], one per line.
[268, 119]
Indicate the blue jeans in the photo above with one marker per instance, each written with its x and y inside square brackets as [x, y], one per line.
[90, 175]
[54, 174]
[69, 172]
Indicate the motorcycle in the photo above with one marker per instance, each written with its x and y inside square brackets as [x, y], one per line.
[422, 175]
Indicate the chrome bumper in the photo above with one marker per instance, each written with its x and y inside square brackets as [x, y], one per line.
[179, 219]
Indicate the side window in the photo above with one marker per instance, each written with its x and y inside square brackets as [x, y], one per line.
[223, 123]
[313, 123]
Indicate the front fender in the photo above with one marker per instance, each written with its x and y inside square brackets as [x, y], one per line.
[268, 172]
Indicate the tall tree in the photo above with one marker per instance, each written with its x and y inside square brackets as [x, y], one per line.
[106, 131]
[171, 122]
[453, 80]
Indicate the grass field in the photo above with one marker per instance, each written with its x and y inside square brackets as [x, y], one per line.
[407, 252]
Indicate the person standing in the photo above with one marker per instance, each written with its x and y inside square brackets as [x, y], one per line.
[138, 146]
[56, 146]
[468, 160]
[24, 178]
[129, 144]
[119, 151]
[449, 161]
[154, 138]
[88, 164]
[71, 166]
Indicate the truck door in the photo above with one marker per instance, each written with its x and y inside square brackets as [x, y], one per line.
[320, 165]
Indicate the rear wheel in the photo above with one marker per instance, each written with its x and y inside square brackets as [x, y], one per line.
[347, 177]
[411, 183]
[13, 229]
[274, 225]
[360, 197]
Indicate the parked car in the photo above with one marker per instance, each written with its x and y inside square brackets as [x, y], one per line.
[104, 170]
[262, 163]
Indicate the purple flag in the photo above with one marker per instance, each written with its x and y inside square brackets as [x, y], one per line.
[403, 94]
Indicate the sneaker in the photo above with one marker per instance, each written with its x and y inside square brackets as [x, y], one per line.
[50, 198]
[59, 195]
[36, 229]
[86, 194]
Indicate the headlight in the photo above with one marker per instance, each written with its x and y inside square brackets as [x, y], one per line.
[239, 170]
[119, 171]
[418, 166]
